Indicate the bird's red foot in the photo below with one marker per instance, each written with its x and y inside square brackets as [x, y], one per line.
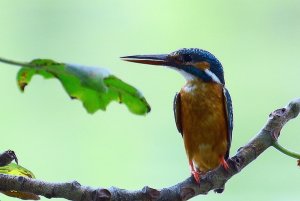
[194, 172]
[196, 175]
[224, 163]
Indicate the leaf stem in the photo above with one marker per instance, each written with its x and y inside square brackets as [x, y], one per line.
[285, 151]
[7, 61]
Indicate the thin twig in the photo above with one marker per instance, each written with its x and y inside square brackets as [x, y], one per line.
[286, 151]
[7, 61]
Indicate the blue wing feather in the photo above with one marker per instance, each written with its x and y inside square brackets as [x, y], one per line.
[229, 112]
[177, 112]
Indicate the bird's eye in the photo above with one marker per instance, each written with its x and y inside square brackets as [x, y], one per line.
[186, 58]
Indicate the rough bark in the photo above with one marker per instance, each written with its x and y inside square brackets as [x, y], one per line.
[182, 191]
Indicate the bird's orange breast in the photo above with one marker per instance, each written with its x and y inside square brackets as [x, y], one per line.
[204, 123]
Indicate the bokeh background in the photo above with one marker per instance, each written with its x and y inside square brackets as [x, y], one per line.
[258, 43]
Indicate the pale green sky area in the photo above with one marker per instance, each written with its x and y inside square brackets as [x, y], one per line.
[258, 43]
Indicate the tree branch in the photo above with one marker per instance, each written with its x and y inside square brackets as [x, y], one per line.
[184, 190]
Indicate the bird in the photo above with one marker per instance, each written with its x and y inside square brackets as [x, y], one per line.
[202, 109]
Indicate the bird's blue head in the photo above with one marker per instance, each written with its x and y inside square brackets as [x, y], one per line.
[191, 62]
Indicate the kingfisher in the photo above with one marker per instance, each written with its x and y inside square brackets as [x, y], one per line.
[202, 109]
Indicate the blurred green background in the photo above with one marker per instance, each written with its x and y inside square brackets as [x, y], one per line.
[258, 43]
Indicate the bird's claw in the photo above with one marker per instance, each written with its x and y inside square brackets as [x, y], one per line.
[196, 175]
[224, 163]
[194, 172]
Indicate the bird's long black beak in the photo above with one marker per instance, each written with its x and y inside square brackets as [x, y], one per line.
[158, 59]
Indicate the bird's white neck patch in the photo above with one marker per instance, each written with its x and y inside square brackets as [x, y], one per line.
[189, 77]
[213, 76]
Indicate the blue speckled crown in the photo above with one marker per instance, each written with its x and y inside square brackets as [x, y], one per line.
[202, 55]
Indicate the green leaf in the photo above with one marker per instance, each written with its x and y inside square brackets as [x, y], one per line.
[17, 170]
[95, 87]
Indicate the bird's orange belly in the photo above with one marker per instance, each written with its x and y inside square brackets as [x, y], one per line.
[204, 124]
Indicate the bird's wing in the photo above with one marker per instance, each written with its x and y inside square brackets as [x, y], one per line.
[229, 115]
[177, 112]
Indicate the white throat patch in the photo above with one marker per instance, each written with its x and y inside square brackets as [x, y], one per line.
[187, 76]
